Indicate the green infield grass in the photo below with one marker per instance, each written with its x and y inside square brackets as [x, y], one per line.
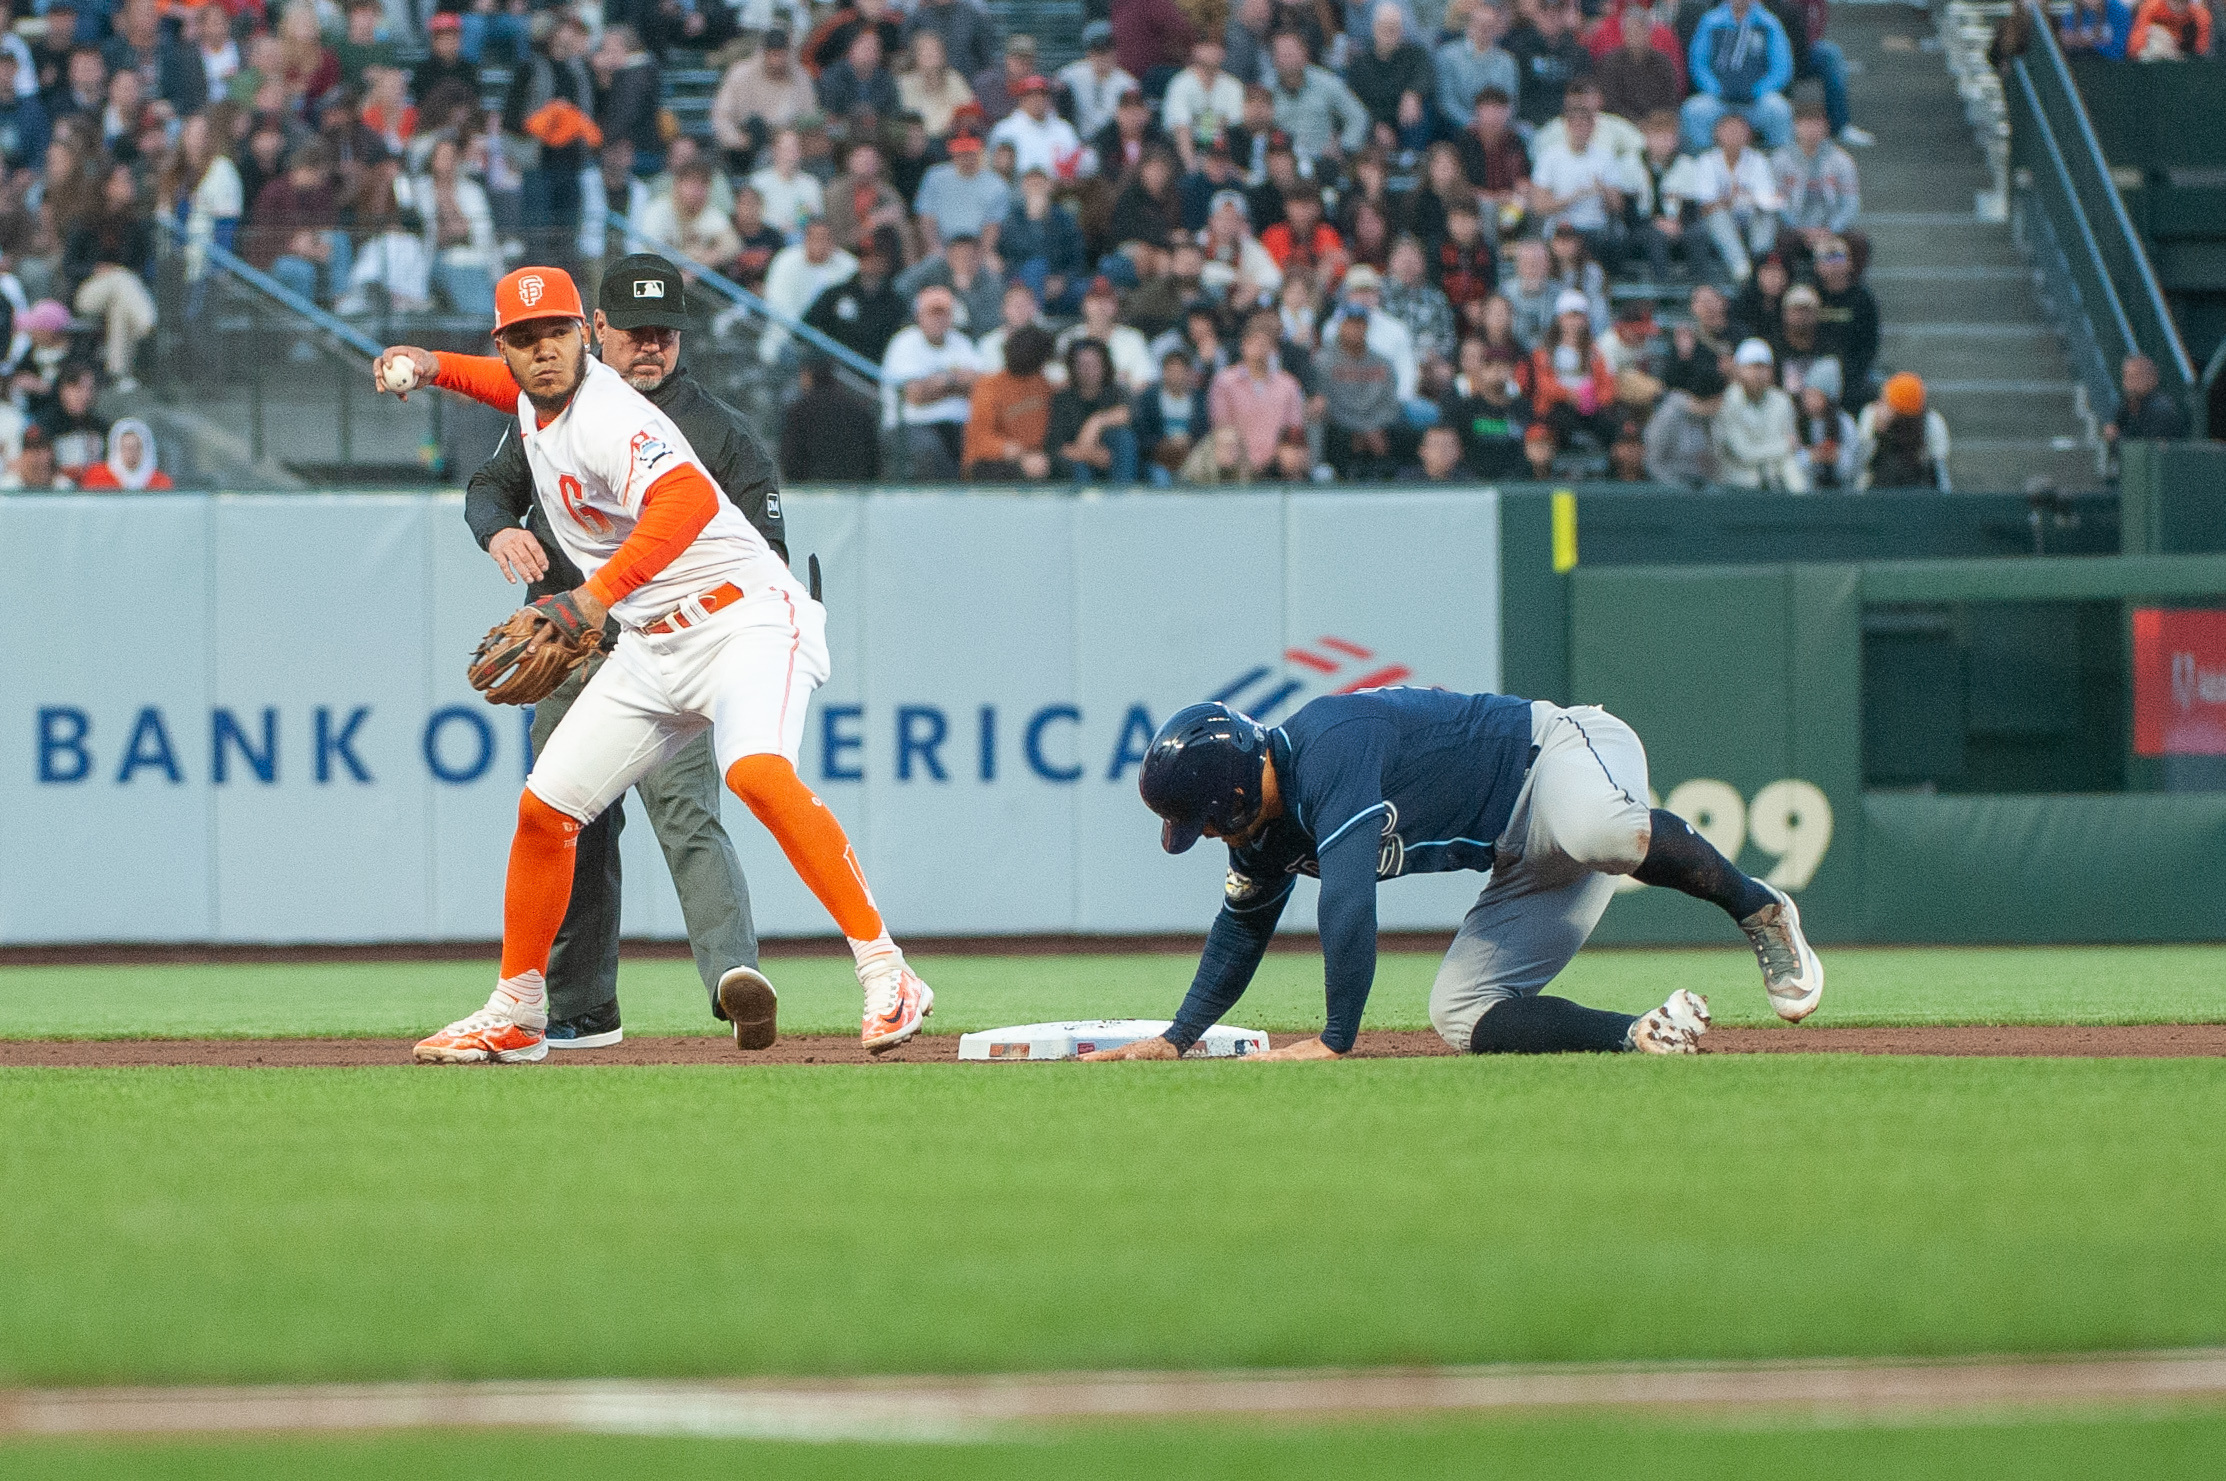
[2156, 1446]
[1873, 985]
[184, 1225]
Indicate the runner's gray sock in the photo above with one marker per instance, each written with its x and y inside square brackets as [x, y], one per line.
[1680, 859]
[1544, 1025]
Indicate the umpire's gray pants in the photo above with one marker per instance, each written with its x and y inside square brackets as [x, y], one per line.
[682, 797]
[1581, 818]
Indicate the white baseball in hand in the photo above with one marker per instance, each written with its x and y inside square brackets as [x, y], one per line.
[399, 374]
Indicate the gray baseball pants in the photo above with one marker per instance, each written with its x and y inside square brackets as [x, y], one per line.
[1581, 819]
[682, 798]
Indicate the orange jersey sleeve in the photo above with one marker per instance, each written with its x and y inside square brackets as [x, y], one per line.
[482, 377]
[675, 510]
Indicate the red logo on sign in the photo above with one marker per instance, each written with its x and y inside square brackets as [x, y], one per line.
[2179, 682]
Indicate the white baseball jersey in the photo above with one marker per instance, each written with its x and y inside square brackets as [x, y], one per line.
[592, 467]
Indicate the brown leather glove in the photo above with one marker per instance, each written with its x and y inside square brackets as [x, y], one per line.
[525, 658]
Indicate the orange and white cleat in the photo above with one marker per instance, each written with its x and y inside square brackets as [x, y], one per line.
[506, 1031]
[896, 1001]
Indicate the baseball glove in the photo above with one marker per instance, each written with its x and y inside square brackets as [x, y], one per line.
[526, 657]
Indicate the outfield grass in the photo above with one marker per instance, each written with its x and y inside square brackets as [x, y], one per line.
[190, 1225]
[2102, 1443]
[2131, 984]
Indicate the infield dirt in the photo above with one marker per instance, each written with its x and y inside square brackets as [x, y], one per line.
[2106, 1041]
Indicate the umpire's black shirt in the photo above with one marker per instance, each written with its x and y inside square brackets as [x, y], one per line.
[500, 495]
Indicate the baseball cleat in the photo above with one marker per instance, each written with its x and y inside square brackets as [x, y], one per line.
[509, 1030]
[595, 1029]
[896, 1001]
[1673, 1028]
[752, 1006]
[1791, 972]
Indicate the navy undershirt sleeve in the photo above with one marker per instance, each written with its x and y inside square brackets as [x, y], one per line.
[1234, 946]
[1347, 917]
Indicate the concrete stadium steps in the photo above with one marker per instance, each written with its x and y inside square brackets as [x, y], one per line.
[1957, 299]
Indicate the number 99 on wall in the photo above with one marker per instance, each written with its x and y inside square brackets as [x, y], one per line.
[1789, 819]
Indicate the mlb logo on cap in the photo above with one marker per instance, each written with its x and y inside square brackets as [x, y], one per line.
[643, 291]
[649, 287]
[536, 293]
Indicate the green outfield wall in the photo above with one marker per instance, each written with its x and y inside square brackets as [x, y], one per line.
[1924, 750]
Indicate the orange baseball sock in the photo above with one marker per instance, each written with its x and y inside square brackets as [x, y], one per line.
[539, 885]
[807, 832]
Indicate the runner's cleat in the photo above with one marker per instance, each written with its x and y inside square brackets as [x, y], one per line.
[1673, 1028]
[751, 1005]
[509, 1030]
[1790, 970]
[896, 1001]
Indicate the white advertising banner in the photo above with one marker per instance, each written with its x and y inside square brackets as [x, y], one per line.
[244, 718]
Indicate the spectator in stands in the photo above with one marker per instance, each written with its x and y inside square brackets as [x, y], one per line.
[2145, 409]
[359, 47]
[389, 243]
[1493, 159]
[1303, 242]
[2098, 26]
[1741, 62]
[932, 87]
[759, 95]
[1095, 84]
[1312, 104]
[964, 29]
[1171, 418]
[687, 224]
[628, 83]
[1218, 458]
[549, 108]
[1256, 396]
[1039, 137]
[1737, 194]
[1202, 102]
[24, 128]
[1122, 144]
[1532, 293]
[1666, 199]
[219, 55]
[930, 369]
[1817, 181]
[1799, 342]
[84, 88]
[1127, 353]
[1090, 436]
[1411, 299]
[1011, 413]
[444, 34]
[34, 467]
[994, 86]
[1471, 63]
[1393, 77]
[1680, 437]
[759, 242]
[1485, 408]
[1901, 442]
[1363, 412]
[1755, 441]
[103, 262]
[460, 231]
[1387, 337]
[1636, 76]
[792, 194]
[1041, 245]
[962, 266]
[2170, 31]
[827, 433]
[1548, 55]
[1579, 181]
[829, 41]
[960, 197]
[1816, 59]
[1758, 312]
[1237, 266]
[130, 463]
[1829, 448]
[1149, 207]
[799, 274]
[859, 80]
[290, 232]
[1847, 315]
[1018, 311]
[1245, 39]
[71, 420]
[863, 202]
[1437, 458]
[1571, 382]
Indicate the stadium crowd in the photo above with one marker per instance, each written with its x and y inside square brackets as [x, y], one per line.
[1234, 240]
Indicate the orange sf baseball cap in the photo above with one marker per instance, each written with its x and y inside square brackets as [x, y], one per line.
[536, 293]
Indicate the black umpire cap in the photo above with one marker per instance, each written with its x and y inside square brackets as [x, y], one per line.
[642, 292]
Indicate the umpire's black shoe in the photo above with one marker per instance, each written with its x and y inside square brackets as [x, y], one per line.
[595, 1029]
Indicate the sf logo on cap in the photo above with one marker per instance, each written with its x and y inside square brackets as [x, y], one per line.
[529, 290]
[649, 287]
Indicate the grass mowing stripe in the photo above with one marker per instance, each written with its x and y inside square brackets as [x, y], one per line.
[2149, 984]
[2157, 1446]
[210, 1225]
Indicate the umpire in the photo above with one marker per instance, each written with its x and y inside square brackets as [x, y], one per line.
[639, 314]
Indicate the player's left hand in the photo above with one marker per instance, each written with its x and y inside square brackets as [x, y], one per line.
[1155, 1047]
[1303, 1049]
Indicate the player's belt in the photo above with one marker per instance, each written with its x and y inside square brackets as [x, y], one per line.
[695, 609]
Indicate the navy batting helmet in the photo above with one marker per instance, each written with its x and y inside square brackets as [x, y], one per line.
[1204, 768]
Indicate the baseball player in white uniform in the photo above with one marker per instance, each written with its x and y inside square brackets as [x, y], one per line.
[714, 632]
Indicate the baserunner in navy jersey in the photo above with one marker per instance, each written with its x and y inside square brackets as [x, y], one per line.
[1359, 788]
